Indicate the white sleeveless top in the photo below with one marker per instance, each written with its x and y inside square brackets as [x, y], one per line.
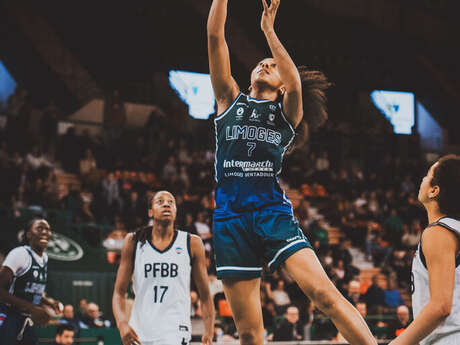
[161, 283]
[450, 327]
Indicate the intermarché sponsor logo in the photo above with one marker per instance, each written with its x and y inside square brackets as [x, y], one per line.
[249, 165]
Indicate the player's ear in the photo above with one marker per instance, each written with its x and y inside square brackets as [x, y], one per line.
[150, 212]
[282, 90]
[249, 88]
[433, 192]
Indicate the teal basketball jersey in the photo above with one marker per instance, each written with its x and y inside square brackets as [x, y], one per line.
[31, 285]
[252, 137]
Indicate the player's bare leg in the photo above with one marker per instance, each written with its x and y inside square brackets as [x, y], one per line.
[244, 299]
[307, 271]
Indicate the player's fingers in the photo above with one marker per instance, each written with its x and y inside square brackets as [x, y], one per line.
[135, 337]
[264, 3]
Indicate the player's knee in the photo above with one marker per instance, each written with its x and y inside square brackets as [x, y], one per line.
[324, 298]
[248, 336]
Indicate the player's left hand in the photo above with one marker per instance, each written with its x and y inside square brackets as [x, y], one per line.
[206, 339]
[269, 14]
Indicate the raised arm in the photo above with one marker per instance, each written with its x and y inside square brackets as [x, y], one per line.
[124, 275]
[292, 100]
[440, 247]
[200, 276]
[223, 84]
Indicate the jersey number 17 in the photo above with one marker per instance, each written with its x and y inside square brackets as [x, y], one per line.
[157, 291]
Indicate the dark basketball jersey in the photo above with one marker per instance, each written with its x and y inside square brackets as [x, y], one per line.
[31, 285]
[252, 137]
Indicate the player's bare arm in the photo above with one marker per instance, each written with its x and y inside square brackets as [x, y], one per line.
[224, 86]
[292, 100]
[200, 276]
[440, 247]
[124, 274]
[39, 315]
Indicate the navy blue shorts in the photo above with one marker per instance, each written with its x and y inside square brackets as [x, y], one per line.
[11, 324]
[244, 243]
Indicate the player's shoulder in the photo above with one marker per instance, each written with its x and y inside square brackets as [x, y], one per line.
[196, 244]
[129, 242]
[18, 251]
[437, 236]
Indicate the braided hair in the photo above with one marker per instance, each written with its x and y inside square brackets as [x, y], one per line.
[142, 234]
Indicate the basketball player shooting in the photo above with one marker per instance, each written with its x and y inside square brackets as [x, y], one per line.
[253, 220]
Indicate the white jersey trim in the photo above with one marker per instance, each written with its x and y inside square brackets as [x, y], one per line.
[238, 268]
[226, 111]
[283, 250]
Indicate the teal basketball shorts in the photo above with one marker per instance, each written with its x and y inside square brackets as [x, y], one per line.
[243, 243]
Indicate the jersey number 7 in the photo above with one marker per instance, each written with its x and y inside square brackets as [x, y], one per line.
[251, 148]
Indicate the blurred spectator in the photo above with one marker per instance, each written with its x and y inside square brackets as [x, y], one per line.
[339, 270]
[195, 304]
[411, 235]
[394, 224]
[400, 263]
[82, 306]
[111, 192]
[64, 335]
[268, 314]
[393, 296]
[215, 285]
[354, 292]
[49, 128]
[374, 296]
[170, 170]
[280, 297]
[288, 329]
[342, 253]
[362, 309]
[114, 116]
[36, 159]
[92, 318]
[68, 318]
[88, 163]
[322, 163]
[402, 321]
[69, 151]
[134, 211]
[202, 228]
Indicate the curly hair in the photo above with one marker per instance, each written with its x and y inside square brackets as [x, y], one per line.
[314, 86]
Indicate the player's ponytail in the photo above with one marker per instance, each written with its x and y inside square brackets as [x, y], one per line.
[314, 86]
[142, 234]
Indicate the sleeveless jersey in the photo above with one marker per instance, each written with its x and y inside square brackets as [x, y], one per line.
[252, 137]
[30, 284]
[421, 291]
[161, 283]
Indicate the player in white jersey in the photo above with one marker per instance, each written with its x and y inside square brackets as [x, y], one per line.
[435, 269]
[160, 261]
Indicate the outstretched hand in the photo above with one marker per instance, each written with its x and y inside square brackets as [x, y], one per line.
[269, 14]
